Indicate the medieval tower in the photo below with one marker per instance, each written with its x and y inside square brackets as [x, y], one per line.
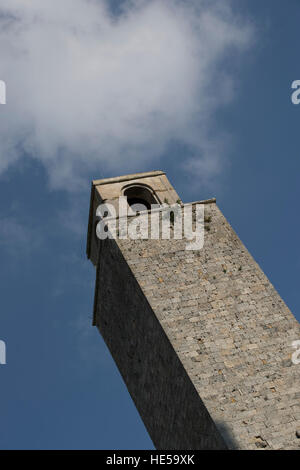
[201, 338]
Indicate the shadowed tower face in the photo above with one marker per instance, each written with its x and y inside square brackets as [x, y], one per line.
[201, 338]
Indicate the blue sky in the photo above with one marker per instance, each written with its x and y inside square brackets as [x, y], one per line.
[236, 138]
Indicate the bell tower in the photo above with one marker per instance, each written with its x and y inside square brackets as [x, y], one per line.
[141, 188]
[201, 338]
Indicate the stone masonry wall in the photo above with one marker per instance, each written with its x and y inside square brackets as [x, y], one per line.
[165, 397]
[230, 329]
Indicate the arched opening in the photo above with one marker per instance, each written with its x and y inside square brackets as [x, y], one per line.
[139, 197]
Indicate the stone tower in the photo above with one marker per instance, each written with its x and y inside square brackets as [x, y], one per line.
[201, 338]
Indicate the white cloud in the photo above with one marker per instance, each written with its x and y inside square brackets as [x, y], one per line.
[89, 90]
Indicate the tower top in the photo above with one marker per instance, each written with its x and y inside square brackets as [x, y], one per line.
[132, 176]
[156, 182]
[151, 187]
